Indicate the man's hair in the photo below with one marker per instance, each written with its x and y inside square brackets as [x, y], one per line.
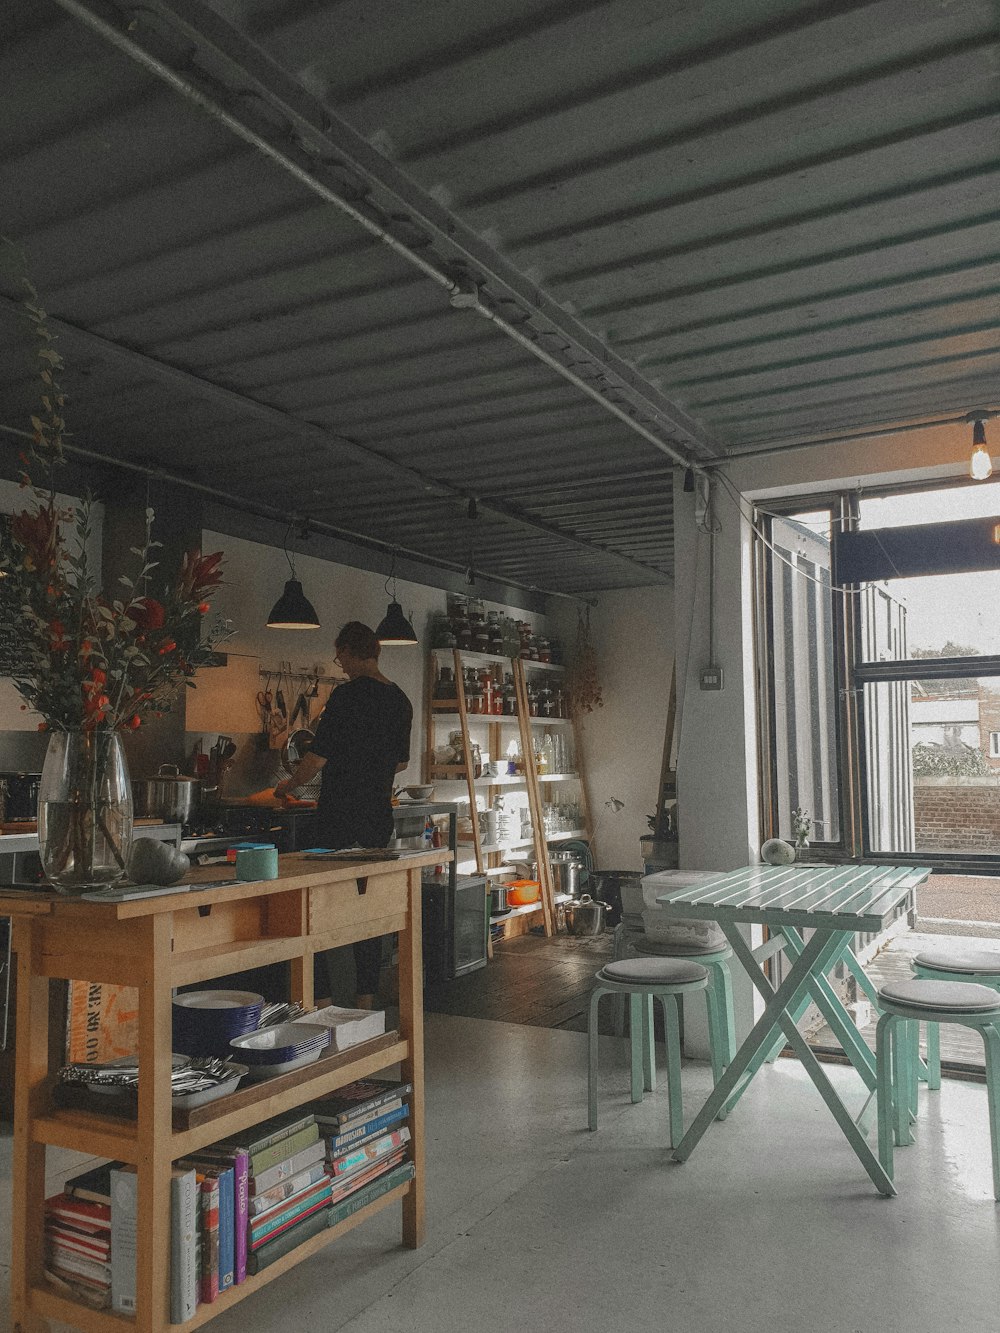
[358, 639]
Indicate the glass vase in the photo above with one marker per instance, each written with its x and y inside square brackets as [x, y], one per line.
[84, 810]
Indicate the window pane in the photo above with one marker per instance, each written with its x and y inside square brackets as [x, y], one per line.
[946, 615]
[804, 692]
[939, 792]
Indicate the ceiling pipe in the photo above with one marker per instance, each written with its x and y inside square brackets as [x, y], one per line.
[263, 510]
[190, 23]
[322, 435]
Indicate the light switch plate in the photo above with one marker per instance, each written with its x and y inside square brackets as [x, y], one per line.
[711, 678]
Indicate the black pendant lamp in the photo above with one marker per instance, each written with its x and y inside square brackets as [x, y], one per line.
[394, 630]
[293, 609]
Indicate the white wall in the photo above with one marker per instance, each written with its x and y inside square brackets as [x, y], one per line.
[717, 764]
[254, 577]
[632, 632]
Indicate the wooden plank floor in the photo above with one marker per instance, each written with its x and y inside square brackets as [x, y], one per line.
[533, 980]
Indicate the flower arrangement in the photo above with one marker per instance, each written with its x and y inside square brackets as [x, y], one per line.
[93, 660]
[801, 826]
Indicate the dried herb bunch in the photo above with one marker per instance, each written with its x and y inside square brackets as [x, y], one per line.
[584, 685]
[94, 660]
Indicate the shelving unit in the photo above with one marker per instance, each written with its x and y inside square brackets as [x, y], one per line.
[156, 944]
[497, 729]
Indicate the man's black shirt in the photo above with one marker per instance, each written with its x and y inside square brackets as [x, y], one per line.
[363, 735]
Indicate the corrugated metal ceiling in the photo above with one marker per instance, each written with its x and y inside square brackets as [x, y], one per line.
[736, 225]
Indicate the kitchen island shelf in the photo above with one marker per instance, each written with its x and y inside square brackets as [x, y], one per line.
[151, 942]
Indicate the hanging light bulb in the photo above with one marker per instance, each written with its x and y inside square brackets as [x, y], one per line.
[980, 464]
[293, 609]
[394, 630]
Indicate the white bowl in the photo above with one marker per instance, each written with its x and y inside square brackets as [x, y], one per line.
[258, 1072]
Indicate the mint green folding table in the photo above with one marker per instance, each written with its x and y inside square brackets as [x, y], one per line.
[833, 903]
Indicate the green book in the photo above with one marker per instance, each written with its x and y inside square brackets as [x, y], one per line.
[361, 1198]
[266, 1149]
[287, 1241]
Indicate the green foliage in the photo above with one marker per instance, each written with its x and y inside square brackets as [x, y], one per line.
[931, 761]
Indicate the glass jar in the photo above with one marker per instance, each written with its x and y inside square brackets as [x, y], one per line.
[444, 687]
[509, 698]
[486, 689]
[544, 650]
[546, 703]
[84, 810]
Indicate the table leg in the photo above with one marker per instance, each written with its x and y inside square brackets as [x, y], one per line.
[411, 1022]
[823, 946]
[784, 996]
[30, 1077]
[830, 1006]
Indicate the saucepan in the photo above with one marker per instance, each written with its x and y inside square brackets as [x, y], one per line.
[168, 796]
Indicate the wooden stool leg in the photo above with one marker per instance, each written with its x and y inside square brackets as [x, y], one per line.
[716, 1036]
[934, 1056]
[636, 1037]
[592, 1057]
[901, 1082]
[991, 1041]
[884, 1041]
[648, 1046]
[672, 1032]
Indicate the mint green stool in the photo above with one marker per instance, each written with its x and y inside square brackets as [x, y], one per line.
[642, 980]
[978, 966]
[905, 1005]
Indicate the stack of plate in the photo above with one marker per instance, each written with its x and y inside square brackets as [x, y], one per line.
[206, 1021]
[280, 1048]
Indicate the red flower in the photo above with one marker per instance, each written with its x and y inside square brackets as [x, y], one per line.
[167, 647]
[147, 613]
[38, 535]
[57, 636]
[204, 608]
[134, 722]
[200, 572]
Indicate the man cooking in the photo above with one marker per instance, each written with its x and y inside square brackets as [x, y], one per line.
[365, 734]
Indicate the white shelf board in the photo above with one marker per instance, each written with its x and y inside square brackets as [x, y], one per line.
[528, 842]
[485, 719]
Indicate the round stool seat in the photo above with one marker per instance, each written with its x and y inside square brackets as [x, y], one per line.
[655, 972]
[984, 961]
[660, 949]
[954, 996]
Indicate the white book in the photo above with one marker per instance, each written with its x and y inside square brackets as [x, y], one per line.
[183, 1245]
[124, 1220]
[348, 1027]
[291, 1166]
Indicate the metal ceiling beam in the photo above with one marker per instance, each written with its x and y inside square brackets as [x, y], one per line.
[290, 424]
[221, 70]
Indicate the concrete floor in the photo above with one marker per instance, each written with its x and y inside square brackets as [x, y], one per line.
[536, 1224]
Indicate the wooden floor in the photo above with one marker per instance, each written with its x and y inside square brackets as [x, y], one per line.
[530, 979]
[546, 983]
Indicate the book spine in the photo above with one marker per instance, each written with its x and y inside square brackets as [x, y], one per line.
[183, 1229]
[353, 1161]
[341, 1141]
[285, 1215]
[262, 1202]
[270, 1140]
[227, 1238]
[292, 1166]
[322, 1203]
[349, 1116]
[286, 1242]
[124, 1216]
[288, 1147]
[241, 1187]
[369, 1193]
[209, 1239]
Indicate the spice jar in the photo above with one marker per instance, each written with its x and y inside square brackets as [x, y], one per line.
[444, 687]
[509, 698]
[544, 650]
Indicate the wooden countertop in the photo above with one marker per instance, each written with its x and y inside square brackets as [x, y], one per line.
[295, 871]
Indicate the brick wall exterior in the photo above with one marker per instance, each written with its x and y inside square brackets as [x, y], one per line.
[957, 818]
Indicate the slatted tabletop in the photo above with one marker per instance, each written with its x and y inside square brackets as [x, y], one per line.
[857, 898]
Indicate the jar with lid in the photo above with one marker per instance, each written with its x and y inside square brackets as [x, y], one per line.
[546, 703]
[544, 650]
[480, 639]
[477, 762]
[509, 697]
[486, 688]
[473, 696]
[463, 632]
[532, 700]
[444, 686]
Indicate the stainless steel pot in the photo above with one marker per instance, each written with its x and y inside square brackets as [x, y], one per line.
[498, 901]
[168, 796]
[585, 916]
[568, 872]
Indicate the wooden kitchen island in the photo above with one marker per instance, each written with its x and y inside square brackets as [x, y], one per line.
[156, 944]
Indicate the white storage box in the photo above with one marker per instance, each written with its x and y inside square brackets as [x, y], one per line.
[681, 932]
[348, 1026]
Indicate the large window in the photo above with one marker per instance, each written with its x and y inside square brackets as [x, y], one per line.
[881, 706]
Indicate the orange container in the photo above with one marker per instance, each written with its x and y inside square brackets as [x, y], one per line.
[521, 892]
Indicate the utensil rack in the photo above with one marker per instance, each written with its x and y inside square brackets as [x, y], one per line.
[304, 674]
